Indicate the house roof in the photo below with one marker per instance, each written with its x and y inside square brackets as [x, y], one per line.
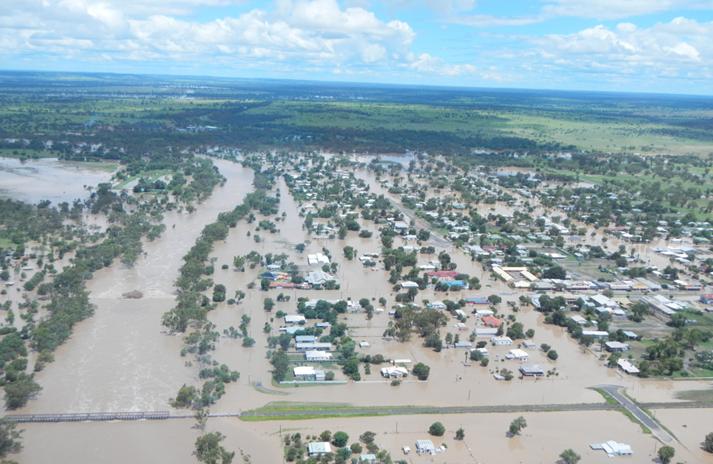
[319, 447]
[491, 321]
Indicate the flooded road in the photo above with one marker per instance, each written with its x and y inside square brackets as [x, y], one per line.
[120, 361]
[50, 179]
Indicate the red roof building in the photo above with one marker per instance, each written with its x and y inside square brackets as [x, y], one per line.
[492, 321]
[442, 274]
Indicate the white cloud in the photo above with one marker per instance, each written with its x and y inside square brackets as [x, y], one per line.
[427, 63]
[318, 33]
[681, 47]
[591, 9]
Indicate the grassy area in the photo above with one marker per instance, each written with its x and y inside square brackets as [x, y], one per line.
[696, 395]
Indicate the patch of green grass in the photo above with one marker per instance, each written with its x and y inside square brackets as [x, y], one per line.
[696, 395]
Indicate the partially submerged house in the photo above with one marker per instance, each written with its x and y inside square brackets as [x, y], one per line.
[308, 373]
[318, 448]
[532, 370]
[612, 448]
[425, 447]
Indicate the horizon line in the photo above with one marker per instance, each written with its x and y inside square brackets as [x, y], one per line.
[361, 83]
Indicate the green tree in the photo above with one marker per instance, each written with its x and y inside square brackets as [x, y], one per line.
[280, 364]
[708, 443]
[421, 371]
[666, 453]
[517, 425]
[460, 434]
[552, 354]
[18, 392]
[210, 451]
[437, 429]
[9, 438]
[568, 456]
[340, 439]
[187, 394]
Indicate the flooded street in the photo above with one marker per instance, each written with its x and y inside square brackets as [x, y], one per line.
[121, 360]
[50, 179]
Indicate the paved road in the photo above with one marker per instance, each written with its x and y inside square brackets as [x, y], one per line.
[616, 392]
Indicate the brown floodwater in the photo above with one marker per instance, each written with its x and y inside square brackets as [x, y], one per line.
[120, 360]
[32, 181]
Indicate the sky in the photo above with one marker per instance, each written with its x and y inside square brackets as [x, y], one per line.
[663, 46]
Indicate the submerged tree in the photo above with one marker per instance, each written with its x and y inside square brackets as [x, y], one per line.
[568, 456]
[517, 426]
[210, 451]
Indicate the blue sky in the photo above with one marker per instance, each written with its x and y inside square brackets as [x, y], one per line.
[620, 45]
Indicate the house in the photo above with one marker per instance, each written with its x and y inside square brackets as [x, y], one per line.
[318, 448]
[409, 284]
[318, 277]
[485, 331]
[294, 319]
[400, 227]
[517, 354]
[630, 335]
[484, 312]
[394, 372]
[305, 339]
[491, 321]
[442, 275]
[317, 259]
[627, 367]
[501, 341]
[318, 356]
[370, 458]
[613, 448]
[314, 346]
[292, 330]
[436, 305]
[477, 300]
[707, 298]
[463, 344]
[425, 447]
[308, 373]
[595, 333]
[454, 284]
[532, 370]
[616, 347]
[579, 319]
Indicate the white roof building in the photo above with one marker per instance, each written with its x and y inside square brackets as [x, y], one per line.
[317, 259]
[613, 448]
[294, 319]
[517, 354]
[316, 355]
[318, 448]
[425, 447]
[627, 367]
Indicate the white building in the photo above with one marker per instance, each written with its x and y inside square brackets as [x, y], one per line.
[319, 448]
[613, 448]
[517, 354]
[294, 319]
[501, 341]
[425, 447]
[316, 355]
[394, 372]
[308, 373]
